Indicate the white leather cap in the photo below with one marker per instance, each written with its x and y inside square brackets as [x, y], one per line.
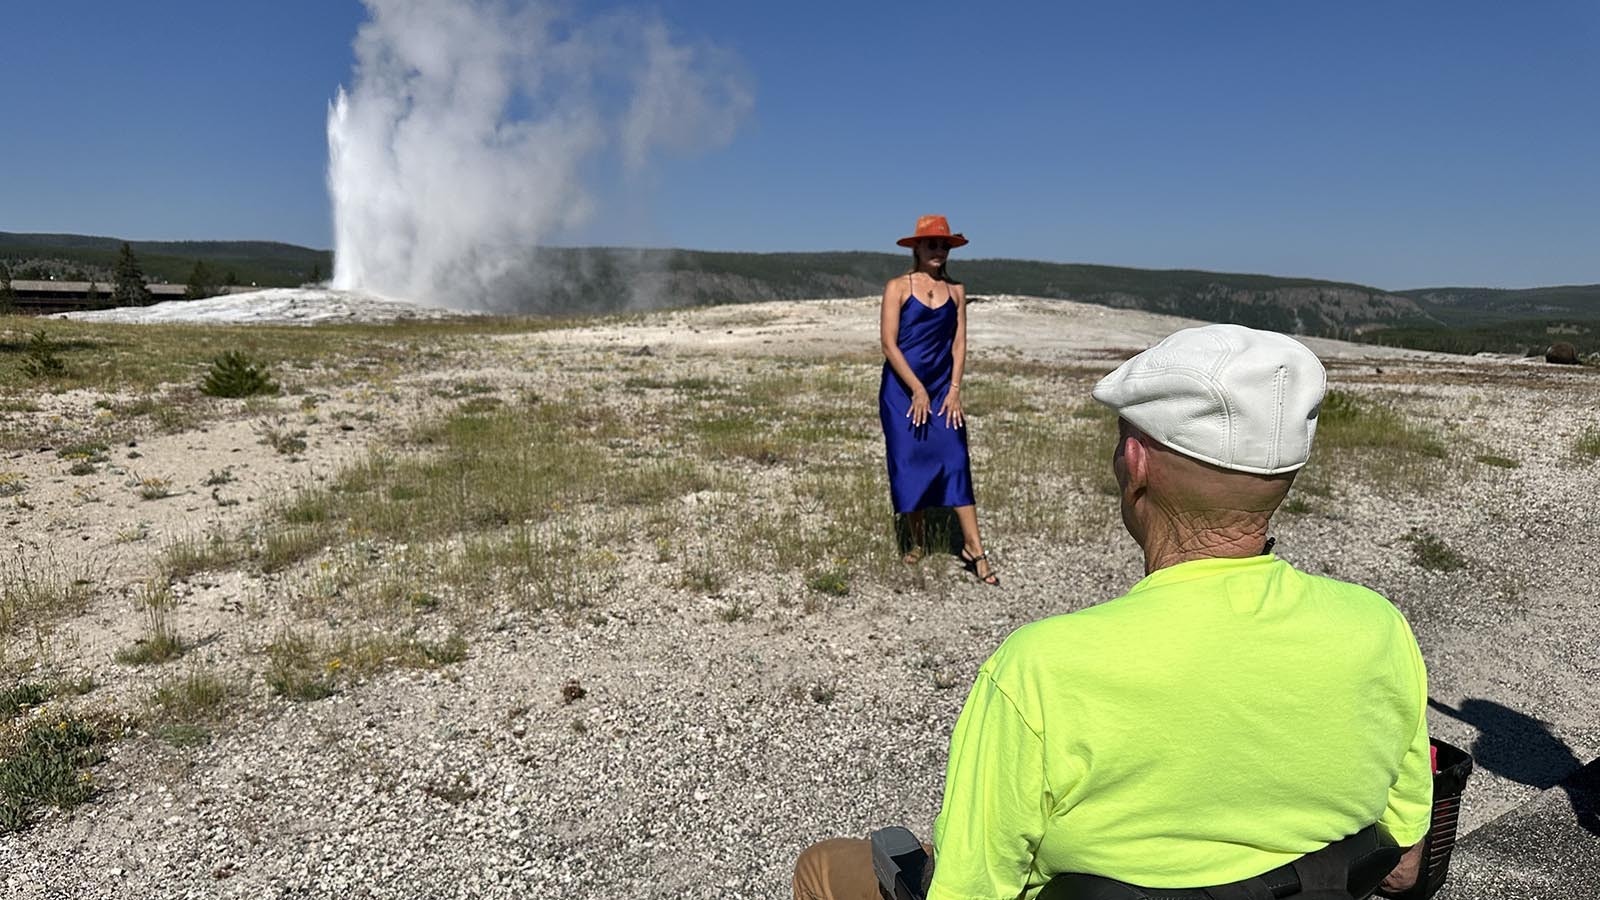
[1231, 396]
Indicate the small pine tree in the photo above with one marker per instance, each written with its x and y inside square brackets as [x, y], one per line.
[201, 284]
[93, 293]
[8, 297]
[41, 359]
[230, 279]
[233, 374]
[129, 289]
[316, 273]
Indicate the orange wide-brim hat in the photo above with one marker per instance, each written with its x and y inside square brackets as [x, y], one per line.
[932, 227]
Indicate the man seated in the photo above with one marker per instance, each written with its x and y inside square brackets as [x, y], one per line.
[1228, 714]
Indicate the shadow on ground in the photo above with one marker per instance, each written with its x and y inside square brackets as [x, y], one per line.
[1521, 748]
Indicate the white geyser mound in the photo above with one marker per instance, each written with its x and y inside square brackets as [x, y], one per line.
[473, 128]
[270, 306]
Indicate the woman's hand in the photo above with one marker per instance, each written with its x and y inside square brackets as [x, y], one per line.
[918, 413]
[951, 408]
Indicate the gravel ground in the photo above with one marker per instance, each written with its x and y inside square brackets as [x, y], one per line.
[704, 754]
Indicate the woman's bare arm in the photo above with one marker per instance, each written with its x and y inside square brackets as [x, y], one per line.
[958, 296]
[950, 407]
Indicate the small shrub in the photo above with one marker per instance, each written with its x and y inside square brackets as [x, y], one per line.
[215, 477]
[196, 697]
[160, 643]
[835, 582]
[1500, 462]
[20, 697]
[295, 670]
[456, 791]
[42, 359]
[283, 441]
[233, 375]
[82, 467]
[1433, 554]
[154, 488]
[737, 611]
[1296, 506]
[46, 767]
[87, 451]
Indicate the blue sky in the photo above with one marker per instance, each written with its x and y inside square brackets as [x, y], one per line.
[1393, 144]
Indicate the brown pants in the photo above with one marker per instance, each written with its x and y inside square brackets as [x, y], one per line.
[838, 869]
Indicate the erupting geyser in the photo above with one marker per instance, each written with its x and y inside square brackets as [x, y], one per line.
[472, 126]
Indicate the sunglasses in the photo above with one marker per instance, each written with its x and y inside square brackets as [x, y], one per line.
[936, 244]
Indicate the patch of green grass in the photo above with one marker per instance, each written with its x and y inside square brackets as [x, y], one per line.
[47, 765]
[1431, 553]
[34, 595]
[159, 643]
[189, 556]
[115, 357]
[283, 441]
[1049, 474]
[196, 696]
[180, 734]
[22, 696]
[479, 405]
[478, 474]
[1366, 439]
[1351, 422]
[303, 668]
[1500, 462]
[1587, 444]
[835, 582]
[282, 547]
[996, 396]
[85, 451]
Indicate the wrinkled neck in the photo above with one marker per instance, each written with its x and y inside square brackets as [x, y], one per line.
[1180, 536]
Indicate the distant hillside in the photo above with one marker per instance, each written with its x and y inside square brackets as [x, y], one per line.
[585, 278]
[75, 257]
[1527, 321]
[606, 279]
[1478, 306]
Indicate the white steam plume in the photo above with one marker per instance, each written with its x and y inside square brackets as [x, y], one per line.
[471, 126]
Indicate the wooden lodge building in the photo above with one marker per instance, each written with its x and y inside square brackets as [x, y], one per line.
[43, 297]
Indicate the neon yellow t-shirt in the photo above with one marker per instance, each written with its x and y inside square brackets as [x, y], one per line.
[1222, 718]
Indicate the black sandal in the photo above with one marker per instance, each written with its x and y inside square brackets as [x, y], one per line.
[970, 563]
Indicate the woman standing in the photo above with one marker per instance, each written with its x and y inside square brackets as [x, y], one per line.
[923, 328]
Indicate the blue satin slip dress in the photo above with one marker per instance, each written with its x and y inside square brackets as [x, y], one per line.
[928, 465]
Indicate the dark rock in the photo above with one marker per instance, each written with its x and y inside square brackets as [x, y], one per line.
[1562, 353]
[572, 691]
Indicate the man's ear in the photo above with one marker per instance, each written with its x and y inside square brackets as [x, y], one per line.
[1135, 464]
